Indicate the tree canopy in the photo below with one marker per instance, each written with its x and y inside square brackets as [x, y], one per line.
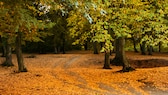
[109, 19]
[100, 21]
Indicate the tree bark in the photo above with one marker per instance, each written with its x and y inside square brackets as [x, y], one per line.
[160, 45]
[116, 60]
[56, 45]
[120, 57]
[21, 66]
[63, 45]
[95, 48]
[3, 51]
[86, 45]
[107, 61]
[8, 55]
[2, 40]
[55, 50]
[134, 42]
[112, 51]
[143, 49]
[150, 50]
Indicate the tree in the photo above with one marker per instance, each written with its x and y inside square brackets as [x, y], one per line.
[60, 30]
[134, 43]
[143, 48]
[20, 23]
[153, 18]
[86, 25]
[8, 53]
[3, 47]
[110, 20]
[20, 60]
[107, 61]
[120, 57]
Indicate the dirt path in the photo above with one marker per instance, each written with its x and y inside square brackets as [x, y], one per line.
[82, 74]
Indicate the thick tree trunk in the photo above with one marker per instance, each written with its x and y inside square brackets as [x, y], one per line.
[134, 42]
[21, 66]
[143, 48]
[95, 48]
[8, 55]
[107, 61]
[120, 57]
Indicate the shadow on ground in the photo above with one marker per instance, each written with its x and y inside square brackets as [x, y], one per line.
[149, 63]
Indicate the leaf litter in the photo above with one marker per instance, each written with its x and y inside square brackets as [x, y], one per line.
[52, 74]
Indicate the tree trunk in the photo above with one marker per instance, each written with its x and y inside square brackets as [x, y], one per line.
[41, 47]
[86, 45]
[55, 46]
[143, 48]
[95, 48]
[3, 50]
[107, 61]
[8, 61]
[63, 45]
[150, 50]
[120, 57]
[21, 66]
[134, 42]
[160, 45]
[55, 50]
[63, 42]
[112, 51]
[3, 41]
[116, 60]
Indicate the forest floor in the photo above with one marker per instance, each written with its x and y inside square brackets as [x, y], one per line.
[81, 73]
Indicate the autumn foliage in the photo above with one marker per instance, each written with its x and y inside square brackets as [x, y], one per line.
[81, 74]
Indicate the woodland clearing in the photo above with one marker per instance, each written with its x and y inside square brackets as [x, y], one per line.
[81, 73]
